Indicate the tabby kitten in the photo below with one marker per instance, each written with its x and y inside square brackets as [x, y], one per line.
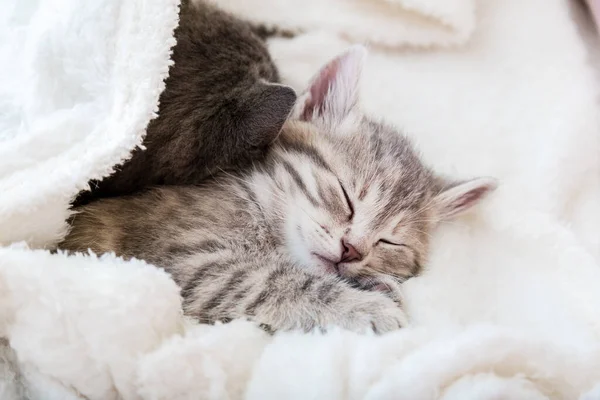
[219, 109]
[320, 233]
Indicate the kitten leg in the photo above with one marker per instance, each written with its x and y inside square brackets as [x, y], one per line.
[384, 284]
[285, 296]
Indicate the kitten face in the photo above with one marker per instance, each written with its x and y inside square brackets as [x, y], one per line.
[364, 208]
[356, 199]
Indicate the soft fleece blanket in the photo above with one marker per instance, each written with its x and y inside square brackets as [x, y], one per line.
[509, 308]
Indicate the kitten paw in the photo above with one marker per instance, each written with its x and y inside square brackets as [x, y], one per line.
[380, 316]
[377, 306]
[384, 284]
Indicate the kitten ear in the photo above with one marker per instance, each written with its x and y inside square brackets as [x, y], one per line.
[268, 107]
[456, 198]
[334, 92]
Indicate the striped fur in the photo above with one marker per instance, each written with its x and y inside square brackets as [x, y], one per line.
[240, 246]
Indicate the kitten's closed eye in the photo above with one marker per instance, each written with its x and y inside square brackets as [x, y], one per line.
[390, 243]
[348, 202]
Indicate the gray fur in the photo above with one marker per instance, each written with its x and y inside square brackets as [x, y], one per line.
[219, 111]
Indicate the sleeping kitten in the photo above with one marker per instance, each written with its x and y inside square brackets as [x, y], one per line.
[218, 110]
[320, 233]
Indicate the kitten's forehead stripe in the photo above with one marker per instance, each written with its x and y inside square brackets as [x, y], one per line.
[299, 182]
[325, 197]
[331, 199]
[303, 148]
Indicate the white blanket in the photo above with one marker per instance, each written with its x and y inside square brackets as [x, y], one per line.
[509, 305]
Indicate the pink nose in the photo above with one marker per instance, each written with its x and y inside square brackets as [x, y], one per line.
[350, 253]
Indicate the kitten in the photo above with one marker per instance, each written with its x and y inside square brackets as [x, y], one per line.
[219, 109]
[320, 233]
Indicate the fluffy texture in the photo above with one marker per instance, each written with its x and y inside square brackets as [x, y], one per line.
[509, 302]
[68, 117]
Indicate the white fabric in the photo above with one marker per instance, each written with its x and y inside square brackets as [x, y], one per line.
[509, 306]
[79, 83]
[388, 22]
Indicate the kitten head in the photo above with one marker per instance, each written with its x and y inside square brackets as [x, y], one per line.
[354, 196]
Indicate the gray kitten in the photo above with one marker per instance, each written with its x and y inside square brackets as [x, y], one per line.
[219, 111]
[320, 233]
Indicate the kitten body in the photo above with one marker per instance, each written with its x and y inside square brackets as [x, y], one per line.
[225, 243]
[320, 233]
[220, 109]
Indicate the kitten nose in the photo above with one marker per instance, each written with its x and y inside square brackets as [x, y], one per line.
[350, 253]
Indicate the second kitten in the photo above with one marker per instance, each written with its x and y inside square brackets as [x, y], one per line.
[220, 110]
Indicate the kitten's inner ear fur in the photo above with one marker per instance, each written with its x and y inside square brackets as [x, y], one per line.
[268, 107]
[334, 92]
[456, 198]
